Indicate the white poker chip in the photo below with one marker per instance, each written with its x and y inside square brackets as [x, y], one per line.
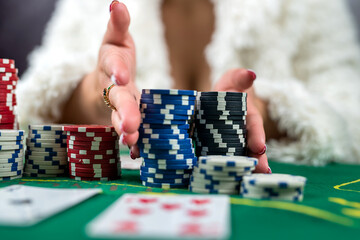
[209, 167]
[228, 161]
[47, 127]
[44, 167]
[217, 191]
[275, 180]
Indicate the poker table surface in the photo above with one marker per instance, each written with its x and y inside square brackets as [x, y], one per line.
[330, 209]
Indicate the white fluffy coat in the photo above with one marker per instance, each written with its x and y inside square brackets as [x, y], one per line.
[304, 52]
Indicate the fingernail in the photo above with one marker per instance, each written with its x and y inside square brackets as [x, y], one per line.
[132, 155]
[114, 80]
[263, 151]
[252, 74]
[112, 4]
[122, 140]
[269, 170]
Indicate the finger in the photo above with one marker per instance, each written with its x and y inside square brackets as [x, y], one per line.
[263, 165]
[129, 139]
[255, 131]
[118, 25]
[236, 80]
[125, 101]
[117, 64]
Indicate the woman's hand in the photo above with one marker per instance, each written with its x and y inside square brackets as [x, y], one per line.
[241, 80]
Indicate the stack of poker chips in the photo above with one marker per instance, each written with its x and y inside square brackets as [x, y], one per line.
[220, 124]
[93, 153]
[46, 151]
[273, 187]
[221, 174]
[11, 154]
[164, 141]
[8, 82]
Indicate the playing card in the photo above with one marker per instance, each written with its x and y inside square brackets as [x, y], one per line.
[164, 216]
[24, 205]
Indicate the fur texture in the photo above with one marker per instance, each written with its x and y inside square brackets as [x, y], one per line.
[307, 62]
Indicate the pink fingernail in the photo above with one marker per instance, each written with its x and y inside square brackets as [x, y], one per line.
[252, 74]
[269, 170]
[112, 4]
[263, 151]
[132, 155]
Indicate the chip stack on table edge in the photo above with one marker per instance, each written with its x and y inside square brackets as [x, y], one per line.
[8, 82]
[93, 152]
[164, 141]
[45, 155]
[11, 154]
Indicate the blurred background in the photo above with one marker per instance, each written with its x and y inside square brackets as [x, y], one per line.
[22, 25]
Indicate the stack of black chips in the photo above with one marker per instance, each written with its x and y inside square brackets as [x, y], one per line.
[220, 123]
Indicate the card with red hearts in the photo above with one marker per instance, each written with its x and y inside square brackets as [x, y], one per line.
[164, 216]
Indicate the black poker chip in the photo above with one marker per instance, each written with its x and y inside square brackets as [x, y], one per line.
[220, 112]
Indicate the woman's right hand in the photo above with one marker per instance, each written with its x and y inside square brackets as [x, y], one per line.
[117, 64]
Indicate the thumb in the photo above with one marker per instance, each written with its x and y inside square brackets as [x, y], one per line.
[238, 79]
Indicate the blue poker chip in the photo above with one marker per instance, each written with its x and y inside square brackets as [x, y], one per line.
[56, 132]
[163, 131]
[165, 116]
[165, 141]
[167, 172]
[55, 127]
[186, 112]
[191, 161]
[165, 102]
[170, 181]
[164, 136]
[161, 146]
[168, 156]
[168, 167]
[55, 145]
[166, 106]
[161, 126]
[13, 168]
[11, 160]
[167, 151]
[168, 97]
[165, 185]
[164, 176]
[170, 92]
[164, 122]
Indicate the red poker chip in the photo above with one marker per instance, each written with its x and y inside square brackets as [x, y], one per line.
[6, 108]
[6, 126]
[93, 152]
[8, 70]
[92, 143]
[7, 91]
[95, 175]
[7, 76]
[89, 128]
[94, 179]
[96, 166]
[84, 161]
[108, 171]
[7, 61]
[5, 65]
[4, 87]
[92, 157]
[92, 134]
[6, 83]
[9, 79]
[93, 148]
[92, 139]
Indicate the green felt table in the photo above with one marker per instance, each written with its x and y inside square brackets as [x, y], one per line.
[330, 210]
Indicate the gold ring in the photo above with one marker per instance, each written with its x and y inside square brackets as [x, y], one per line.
[106, 93]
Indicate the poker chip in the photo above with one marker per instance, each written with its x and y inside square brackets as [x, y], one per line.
[169, 92]
[46, 151]
[39, 175]
[10, 178]
[93, 152]
[164, 185]
[164, 142]
[273, 187]
[220, 174]
[89, 128]
[8, 83]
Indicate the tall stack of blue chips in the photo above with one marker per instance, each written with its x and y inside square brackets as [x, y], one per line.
[164, 142]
